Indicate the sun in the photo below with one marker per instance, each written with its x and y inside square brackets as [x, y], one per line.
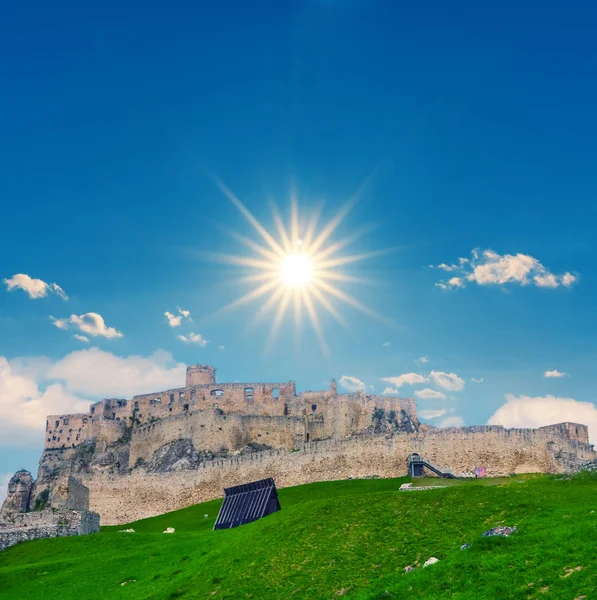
[296, 268]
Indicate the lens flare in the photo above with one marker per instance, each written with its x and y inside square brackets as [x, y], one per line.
[300, 271]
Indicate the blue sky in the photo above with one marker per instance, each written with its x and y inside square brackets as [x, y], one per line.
[474, 129]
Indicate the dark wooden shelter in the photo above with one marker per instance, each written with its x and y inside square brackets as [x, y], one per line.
[247, 502]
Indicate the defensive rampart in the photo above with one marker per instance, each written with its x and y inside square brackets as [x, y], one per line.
[121, 499]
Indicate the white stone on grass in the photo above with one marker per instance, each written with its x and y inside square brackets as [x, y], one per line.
[431, 561]
[169, 530]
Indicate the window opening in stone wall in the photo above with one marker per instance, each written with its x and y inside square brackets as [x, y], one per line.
[313, 407]
[171, 398]
[216, 393]
[180, 395]
[47, 425]
[113, 415]
[216, 405]
[57, 423]
[275, 393]
[156, 401]
[186, 407]
[136, 405]
[249, 394]
[84, 419]
[308, 437]
[92, 409]
[66, 421]
[193, 395]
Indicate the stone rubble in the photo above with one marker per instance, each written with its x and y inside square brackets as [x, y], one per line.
[501, 531]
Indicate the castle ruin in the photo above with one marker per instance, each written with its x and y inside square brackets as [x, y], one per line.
[165, 450]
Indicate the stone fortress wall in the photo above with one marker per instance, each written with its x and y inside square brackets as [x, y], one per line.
[502, 451]
[165, 450]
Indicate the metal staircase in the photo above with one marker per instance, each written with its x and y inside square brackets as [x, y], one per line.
[417, 463]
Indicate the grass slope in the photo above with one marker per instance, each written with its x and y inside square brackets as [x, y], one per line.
[336, 539]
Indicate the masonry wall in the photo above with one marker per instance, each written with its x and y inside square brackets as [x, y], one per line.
[63, 431]
[211, 431]
[70, 493]
[140, 495]
[45, 524]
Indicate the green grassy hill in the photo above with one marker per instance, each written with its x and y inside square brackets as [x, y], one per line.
[338, 539]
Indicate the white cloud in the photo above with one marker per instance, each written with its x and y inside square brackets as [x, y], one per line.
[90, 323]
[81, 338]
[568, 279]
[488, 267]
[35, 367]
[406, 378]
[96, 373]
[60, 323]
[176, 320]
[432, 414]
[351, 384]
[386, 344]
[4, 479]
[554, 373]
[221, 348]
[34, 288]
[24, 406]
[194, 338]
[538, 411]
[452, 422]
[423, 359]
[428, 393]
[447, 381]
[480, 380]
[173, 320]
[389, 391]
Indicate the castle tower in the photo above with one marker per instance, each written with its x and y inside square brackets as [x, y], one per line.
[197, 374]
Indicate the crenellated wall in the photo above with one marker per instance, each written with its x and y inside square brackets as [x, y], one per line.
[501, 451]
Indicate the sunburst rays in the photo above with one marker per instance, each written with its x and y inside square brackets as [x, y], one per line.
[295, 274]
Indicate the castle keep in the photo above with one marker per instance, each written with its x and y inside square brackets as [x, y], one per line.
[165, 450]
